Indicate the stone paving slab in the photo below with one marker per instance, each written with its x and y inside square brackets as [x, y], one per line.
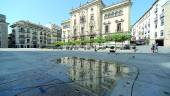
[34, 68]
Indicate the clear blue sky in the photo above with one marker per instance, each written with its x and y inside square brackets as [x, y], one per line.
[45, 11]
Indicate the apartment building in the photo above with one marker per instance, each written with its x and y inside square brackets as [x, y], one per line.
[154, 25]
[3, 32]
[29, 35]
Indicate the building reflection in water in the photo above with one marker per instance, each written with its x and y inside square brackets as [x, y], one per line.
[96, 76]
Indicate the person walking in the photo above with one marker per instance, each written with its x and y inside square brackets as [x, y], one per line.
[156, 47]
[134, 48]
[153, 48]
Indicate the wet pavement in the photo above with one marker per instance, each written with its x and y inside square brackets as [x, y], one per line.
[67, 73]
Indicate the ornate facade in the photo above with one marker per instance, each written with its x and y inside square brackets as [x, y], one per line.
[95, 19]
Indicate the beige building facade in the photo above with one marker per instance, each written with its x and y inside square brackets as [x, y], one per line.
[166, 7]
[95, 19]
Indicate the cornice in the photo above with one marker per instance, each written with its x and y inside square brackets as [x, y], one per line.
[115, 6]
[29, 25]
[84, 6]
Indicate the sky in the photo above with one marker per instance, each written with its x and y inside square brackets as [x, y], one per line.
[55, 11]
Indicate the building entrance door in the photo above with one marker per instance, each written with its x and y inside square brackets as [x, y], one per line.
[160, 42]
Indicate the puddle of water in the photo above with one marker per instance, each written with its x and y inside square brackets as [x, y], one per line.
[74, 76]
[96, 76]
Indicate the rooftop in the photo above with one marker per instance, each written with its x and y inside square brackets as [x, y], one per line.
[28, 23]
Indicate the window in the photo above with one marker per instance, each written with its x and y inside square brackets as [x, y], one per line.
[162, 21]
[22, 30]
[28, 40]
[105, 16]
[28, 30]
[74, 21]
[120, 12]
[82, 30]
[75, 31]
[156, 24]
[91, 28]
[119, 27]
[162, 33]
[13, 30]
[106, 28]
[155, 34]
[116, 13]
[82, 19]
[92, 17]
[41, 33]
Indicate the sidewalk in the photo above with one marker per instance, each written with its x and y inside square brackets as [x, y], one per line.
[140, 49]
[147, 49]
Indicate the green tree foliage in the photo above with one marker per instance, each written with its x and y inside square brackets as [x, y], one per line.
[121, 37]
[100, 40]
[60, 43]
[108, 37]
[77, 42]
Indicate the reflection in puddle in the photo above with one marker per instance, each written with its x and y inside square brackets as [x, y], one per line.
[95, 76]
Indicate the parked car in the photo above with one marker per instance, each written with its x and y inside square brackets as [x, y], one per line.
[112, 49]
[140, 42]
[126, 46]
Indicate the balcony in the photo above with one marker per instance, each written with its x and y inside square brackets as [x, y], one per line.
[34, 33]
[34, 42]
[28, 36]
[155, 19]
[22, 41]
[21, 36]
[92, 33]
[156, 10]
[34, 39]
[82, 34]
[161, 15]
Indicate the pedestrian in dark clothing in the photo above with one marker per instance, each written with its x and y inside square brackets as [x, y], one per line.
[156, 47]
[153, 48]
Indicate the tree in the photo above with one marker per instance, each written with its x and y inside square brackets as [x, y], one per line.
[120, 37]
[108, 37]
[100, 40]
[77, 42]
[60, 43]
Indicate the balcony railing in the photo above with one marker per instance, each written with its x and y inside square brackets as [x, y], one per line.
[161, 15]
[34, 33]
[155, 19]
[21, 36]
[28, 37]
[156, 10]
[22, 41]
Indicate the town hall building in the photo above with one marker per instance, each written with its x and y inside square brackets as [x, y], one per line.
[95, 19]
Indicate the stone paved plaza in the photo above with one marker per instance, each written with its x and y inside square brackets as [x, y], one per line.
[33, 73]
